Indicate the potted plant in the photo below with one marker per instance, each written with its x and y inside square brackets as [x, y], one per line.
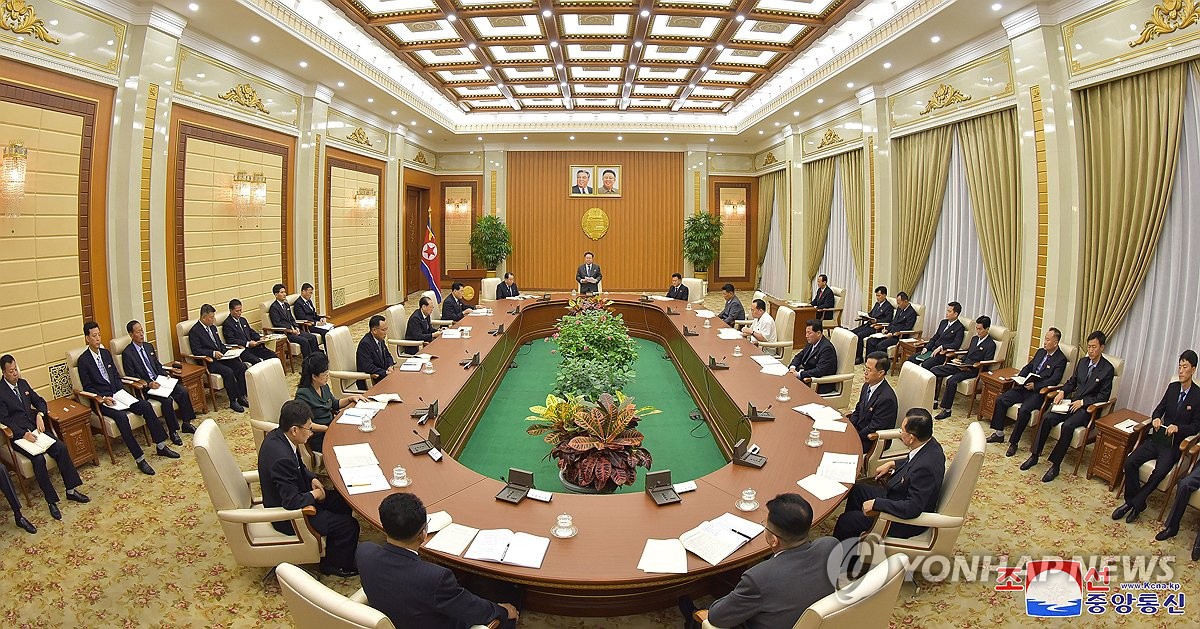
[701, 240]
[588, 378]
[491, 242]
[597, 446]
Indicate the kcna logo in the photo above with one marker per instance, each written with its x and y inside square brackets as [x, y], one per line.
[1053, 588]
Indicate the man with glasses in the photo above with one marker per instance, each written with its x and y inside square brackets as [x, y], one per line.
[287, 483]
[876, 408]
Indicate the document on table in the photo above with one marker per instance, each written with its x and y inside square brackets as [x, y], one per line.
[122, 400]
[705, 314]
[820, 487]
[715, 540]
[166, 384]
[764, 359]
[453, 539]
[663, 556]
[363, 479]
[371, 406]
[776, 369]
[481, 312]
[452, 333]
[35, 448]
[830, 425]
[386, 397]
[819, 412]
[729, 334]
[355, 455]
[504, 546]
[1127, 425]
[660, 298]
[842, 468]
[412, 364]
[437, 521]
[354, 415]
[231, 354]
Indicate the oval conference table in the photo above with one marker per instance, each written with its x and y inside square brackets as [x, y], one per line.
[594, 573]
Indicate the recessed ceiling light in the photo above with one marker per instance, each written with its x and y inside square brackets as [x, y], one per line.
[887, 65]
[712, 139]
[795, 113]
[760, 131]
[558, 66]
[571, 138]
[341, 84]
[394, 112]
[935, 39]
[777, 124]
[430, 131]
[199, 75]
[303, 64]
[525, 137]
[740, 18]
[471, 46]
[413, 123]
[620, 137]
[820, 100]
[665, 138]
[637, 44]
[704, 68]
[997, 6]
[370, 100]
[554, 44]
[850, 85]
[547, 13]
[632, 66]
[255, 39]
[629, 85]
[480, 138]
[450, 17]
[487, 68]
[193, 7]
[645, 13]
[720, 47]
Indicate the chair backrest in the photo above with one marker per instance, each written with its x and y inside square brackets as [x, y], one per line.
[397, 318]
[315, 606]
[267, 389]
[223, 478]
[785, 323]
[73, 364]
[1118, 371]
[839, 297]
[960, 479]
[116, 346]
[487, 288]
[220, 323]
[844, 343]
[1072, 354]
[969, 325]
[1003, 337]
[265, 321]
[432, 297]
[182, 329]
[341, 348]
[915, 389]
[758, 294]
[863, 604]
[696, 289]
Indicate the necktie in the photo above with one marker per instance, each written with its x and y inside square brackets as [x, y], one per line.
[1091, 366]
[1045, 359]
[100, 364]
[589, 270]
[212, 335]
[17, 393]
[1182, 394]
[382, 354]
[146, 359]
[866, 395]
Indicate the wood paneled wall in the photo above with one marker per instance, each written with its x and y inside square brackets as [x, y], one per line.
[644, 242]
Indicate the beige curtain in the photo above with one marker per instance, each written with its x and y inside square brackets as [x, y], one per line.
[818, 205]
[989, 148]
[770, 187]
[1130, 138]
[856, 219]
[922, 164]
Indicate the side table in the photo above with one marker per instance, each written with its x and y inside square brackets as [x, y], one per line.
[71, 421]
[1113, 445]
[193, 378]
[905, 349]
[992, 385]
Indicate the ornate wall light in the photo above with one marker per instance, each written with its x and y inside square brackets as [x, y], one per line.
[12, 178]
[457, 207]
[249, 194]
[366, 204]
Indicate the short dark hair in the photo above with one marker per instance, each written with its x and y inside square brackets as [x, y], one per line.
[8, 359]
[902, 295]
[1057, 334]
[882, 362]
[294, 413]
[507, 275]
[589, 253]
[425, 301]
[234, 303]
[727, 288]
[376, 320]
[918, 423]
[956, 307]
[316, 363]
[791, 517]
[276, 288]
[581, 170]
[129, 326]
[87, 327]
[1099, 336]
[206, 309]
[608, 170]
[881, 289]
[677, 275]
[305, 286]
[985, 321]
[760, 304]
[823, 278]
[815, 324]
[1187, 355]
[403, 516]
[456, 286]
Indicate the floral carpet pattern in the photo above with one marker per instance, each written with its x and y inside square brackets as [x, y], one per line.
[148, 552]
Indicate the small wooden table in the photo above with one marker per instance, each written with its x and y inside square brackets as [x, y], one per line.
[193, 378]
[992, 385]
[905, 349]
[283, 351]
[1113, 445]
[71, 422]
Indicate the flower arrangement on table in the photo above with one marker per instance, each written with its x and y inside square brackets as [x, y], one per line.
[588, 302]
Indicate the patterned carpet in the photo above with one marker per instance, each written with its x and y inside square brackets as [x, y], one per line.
[147, 551]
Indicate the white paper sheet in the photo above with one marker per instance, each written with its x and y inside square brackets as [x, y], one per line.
[842, 468]
[370, 406]
[819, 411]
[453, 539]
[123, 400]
[412, 364]
[663, 556]
[778, 369]
[386, 397]
[355, 455]
[166, 384]
[820, 487]
[364, 479]
[1062, 407]
[231, 354]
[1127, 425]
[830, 425]
[705, 314]
[729, 334]
[437, 521]
[452, 333]
[765, 359]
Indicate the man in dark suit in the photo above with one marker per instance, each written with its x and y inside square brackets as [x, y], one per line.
[677, 289]
[588, 275]
[1045, 369]
[282, 320]
[904, 319]
[776, 592]
[98, 375]
[914, 487]
[507, 288]
[410, 591]
[823, 298]
[949, 374]
[305, 310]
[454, 308]
[733, 310]
[420, 326]
[11, 494]
[876, 408]
[1091, 383]
[818, 358]
[205, 342]
[582, 185]
[287, 483]
[1183, 494]
[948, 338]
[880, 315]
[24, 412]
[238, 332]
[141, 362]
[1176, 418]
[373, 356]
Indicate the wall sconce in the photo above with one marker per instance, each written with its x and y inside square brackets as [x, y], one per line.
[12, 178]
[366, 203]
[732, 209]
[249, 194]
[457, 207]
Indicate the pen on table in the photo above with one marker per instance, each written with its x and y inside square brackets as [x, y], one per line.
[359, 485]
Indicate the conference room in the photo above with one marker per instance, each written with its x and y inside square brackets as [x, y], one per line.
[901, 287]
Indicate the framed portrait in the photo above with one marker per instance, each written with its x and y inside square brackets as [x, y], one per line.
[583, 181]
[608, 181]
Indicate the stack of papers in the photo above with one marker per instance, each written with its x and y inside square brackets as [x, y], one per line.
[770, 365]
[820, 487]
[480, 312]
[453, 539]
[359, 468]
[412, 364]
[386, 397]
[452, 333]
[1062, 407]
[231, 354]
[705, 314]
[819, 412]
[355, 415]
[504, 546]
[877, 335]
[842, 468]
[35, 448]
[272, 337]
[122, 400]
[355, 455]
[166, 384]
[371, 406]
[715, 540]
[660, 298]
[729, 334]
[663, 556]
[437, 521]
[1127, 425]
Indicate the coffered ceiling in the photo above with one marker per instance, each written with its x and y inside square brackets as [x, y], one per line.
[694, 56]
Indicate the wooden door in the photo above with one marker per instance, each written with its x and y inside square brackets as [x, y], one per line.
[416, 216]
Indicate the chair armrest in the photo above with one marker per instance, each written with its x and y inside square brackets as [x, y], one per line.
[1046, 391]
[350, 375]
[198, 359]
[774, 343]
[906, 334]
[255, 516]
[133, 383]
[987, 363]
[441, 323]
[359, 597]
[6, 430]
[743, 321]
[1186, 444]
[303, 326]
[932, 520]
[405, 343]
[1095, 408]
[251, 476]
[834, 379]
[885, 435]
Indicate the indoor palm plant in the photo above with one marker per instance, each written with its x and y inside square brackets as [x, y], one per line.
[701, 239]
[491, 241]
[597, 445]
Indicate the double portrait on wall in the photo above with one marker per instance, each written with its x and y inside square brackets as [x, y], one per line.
[589, 181]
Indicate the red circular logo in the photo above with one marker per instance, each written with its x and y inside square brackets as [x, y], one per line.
[429, 251]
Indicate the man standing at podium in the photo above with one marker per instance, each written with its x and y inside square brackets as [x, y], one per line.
[588, 275]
